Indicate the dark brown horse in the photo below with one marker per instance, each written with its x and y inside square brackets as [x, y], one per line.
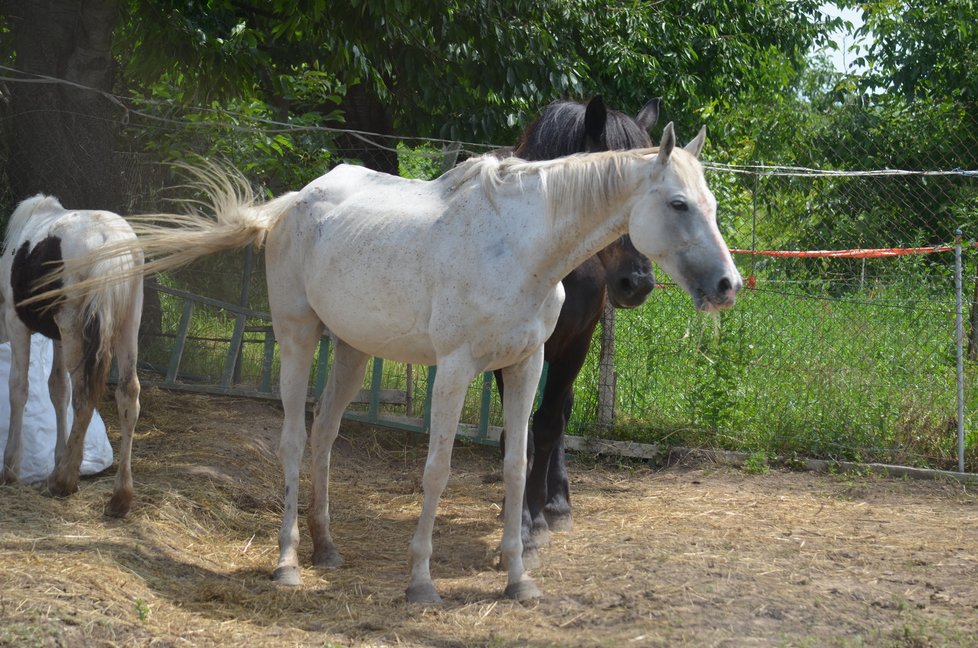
[619, 274]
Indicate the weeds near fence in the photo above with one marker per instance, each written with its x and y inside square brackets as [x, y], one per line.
[866, 378]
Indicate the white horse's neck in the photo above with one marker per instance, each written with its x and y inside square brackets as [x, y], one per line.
[589, 201]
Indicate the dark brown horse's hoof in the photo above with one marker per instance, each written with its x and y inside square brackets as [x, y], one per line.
[287, 575]
[560, 522]
[531, 558]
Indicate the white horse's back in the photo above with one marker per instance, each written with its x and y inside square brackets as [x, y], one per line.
[398, 268]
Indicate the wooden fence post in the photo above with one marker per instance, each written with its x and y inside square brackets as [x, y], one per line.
[607, 377]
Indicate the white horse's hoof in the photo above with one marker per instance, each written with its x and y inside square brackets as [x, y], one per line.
[524, 590]
[423, 594]
[287, 575]
[329, 559]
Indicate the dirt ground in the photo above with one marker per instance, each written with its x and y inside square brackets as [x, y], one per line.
[685, 556]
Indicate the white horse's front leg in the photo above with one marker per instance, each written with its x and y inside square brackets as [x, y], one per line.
[297, 342]
[521, 381]
[448, 396]
[20, 359]
[345, 380]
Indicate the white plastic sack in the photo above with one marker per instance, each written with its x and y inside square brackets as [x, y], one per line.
[40, 424]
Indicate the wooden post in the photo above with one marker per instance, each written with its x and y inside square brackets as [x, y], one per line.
[607, 378]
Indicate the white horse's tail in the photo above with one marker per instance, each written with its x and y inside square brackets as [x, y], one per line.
[170, 241]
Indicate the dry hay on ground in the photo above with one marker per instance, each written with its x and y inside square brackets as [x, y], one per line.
[701, 556]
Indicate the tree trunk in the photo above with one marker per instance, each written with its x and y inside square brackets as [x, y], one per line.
[62, 136]
[363, 111]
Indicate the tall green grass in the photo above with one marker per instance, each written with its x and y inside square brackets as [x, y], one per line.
[867, 377]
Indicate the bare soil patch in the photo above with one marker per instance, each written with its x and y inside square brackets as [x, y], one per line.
[698, 555]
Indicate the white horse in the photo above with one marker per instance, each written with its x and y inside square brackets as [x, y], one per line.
[462, 272]
[87, 327]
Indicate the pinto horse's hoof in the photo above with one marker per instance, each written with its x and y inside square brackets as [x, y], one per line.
[423, 594]
[56, 487]
[524, 590]
[119, 505]
[287, 575]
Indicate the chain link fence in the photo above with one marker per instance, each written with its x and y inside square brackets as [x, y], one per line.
[838, 358]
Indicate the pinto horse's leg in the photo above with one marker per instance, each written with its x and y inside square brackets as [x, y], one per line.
[84, 388]
[20, 358]
[345, 380]
[58, 391]
[521, 382]
[127, 403]
[297, 337]
[448, 396]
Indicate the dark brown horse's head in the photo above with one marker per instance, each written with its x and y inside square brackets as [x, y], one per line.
[567, 127]
[629, 273]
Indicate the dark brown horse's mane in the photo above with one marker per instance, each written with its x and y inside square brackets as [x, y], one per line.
[560, 130]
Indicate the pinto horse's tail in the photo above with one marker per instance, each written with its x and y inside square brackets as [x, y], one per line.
[169, 241]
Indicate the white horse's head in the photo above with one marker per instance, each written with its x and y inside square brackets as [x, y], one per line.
[674, 224]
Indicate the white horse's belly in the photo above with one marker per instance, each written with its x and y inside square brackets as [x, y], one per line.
[496, 330]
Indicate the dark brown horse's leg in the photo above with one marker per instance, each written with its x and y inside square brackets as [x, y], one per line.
[557, 510]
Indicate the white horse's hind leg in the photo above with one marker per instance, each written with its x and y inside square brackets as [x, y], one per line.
[345, 380]
[127, 402]
[521, 381]
[448, 396]
[20, 358]
[297, 337]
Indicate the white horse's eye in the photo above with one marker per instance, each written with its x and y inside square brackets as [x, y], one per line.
[679, 205]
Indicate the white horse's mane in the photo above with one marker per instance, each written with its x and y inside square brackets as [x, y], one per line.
[583, 180]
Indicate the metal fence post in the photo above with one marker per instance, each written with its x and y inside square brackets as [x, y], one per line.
[959, 339]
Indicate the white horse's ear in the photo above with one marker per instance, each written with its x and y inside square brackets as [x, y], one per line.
[667, 144]
[696, 146]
